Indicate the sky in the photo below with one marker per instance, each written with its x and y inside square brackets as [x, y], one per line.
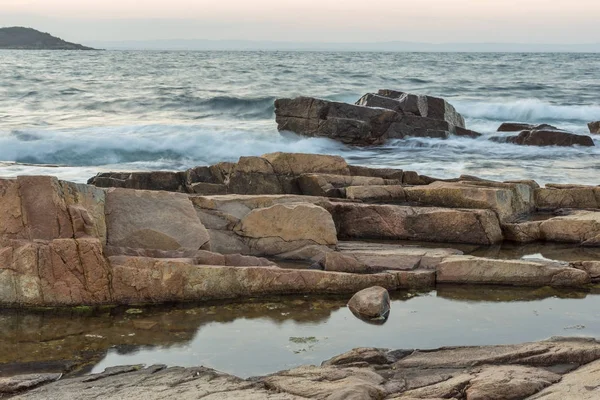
[432, 21]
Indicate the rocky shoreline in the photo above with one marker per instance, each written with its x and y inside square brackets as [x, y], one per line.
[65, 244]
[557, 368]
[229, 231]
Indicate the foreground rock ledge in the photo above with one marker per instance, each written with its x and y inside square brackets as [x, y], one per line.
[555, 369]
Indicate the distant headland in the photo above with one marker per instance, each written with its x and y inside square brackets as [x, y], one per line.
[20, 38]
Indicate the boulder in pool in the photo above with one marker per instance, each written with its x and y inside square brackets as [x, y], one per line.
[371, 304]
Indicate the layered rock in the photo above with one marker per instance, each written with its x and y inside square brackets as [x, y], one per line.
[476, 270]
[374, 119]
[553, 197]
[547, 137]
[519, 127]
[292, 227]
[574, 226]
[433, 224]
[559, 368]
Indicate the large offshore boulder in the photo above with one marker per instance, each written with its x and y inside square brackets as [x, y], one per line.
[372, 120]
[594, 127]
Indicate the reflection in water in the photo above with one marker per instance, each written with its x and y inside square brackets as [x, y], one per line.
[263, 336]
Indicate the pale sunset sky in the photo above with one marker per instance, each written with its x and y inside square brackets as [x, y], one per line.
[438, 21]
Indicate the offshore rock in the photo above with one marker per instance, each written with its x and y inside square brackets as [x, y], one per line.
[374, 119]
[594, 127]
[546, 137]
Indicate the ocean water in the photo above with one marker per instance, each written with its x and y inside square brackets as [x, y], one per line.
[73, 114]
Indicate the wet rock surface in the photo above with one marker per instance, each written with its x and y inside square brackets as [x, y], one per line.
[555, 368]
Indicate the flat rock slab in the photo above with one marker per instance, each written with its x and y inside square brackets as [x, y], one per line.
[157, 382]
[433, 224]
[477, 270]
[576, 226]
[381, 257]
[558, 368]
[147, 280]
[553, 197]
[508, 200]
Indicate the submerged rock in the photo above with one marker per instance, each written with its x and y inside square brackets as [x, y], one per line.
[371, 304]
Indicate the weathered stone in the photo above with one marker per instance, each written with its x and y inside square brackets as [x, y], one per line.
[575, 227]
[550, 138]
[591, 267]
[507, 200]
[466, 132]
[581, 384]
[327, 185]
[254, 175]
[156, 220]
[555, 369]
[594, 127]
[290, 223]
[157, 382]
[365, 221]
[62, 272]
[154, 180]
[208, 189]
[85, 204]
[328, 383]
[425, 106]
[372, 303]
[376, 193]
[147, 280]
[21, 383]
[385, 173]
[567, 197]
[373, 257]
[300, 163]
[12, 224]
[45, 212]
[518, 127]
[476, 270]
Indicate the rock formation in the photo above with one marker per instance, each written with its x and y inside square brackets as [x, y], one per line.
[68, 244]
[555, 369]
[391, 114]
[373, 119]
[594, 127]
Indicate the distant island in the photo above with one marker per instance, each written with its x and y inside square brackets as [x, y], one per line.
[19, 38]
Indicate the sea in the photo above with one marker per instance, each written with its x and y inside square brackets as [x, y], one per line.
[74, 114]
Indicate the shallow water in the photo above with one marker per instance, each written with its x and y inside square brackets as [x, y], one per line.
[124, 110]
[263, 336]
